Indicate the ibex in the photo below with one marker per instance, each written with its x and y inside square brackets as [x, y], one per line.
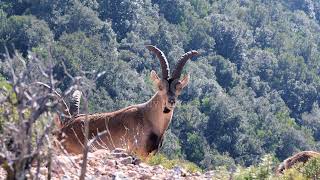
[301, 157]
[138, 128]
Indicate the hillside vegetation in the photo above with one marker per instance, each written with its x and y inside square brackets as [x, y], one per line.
[254, 89]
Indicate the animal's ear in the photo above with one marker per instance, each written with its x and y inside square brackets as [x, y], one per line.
[154, 77]
[184, 81]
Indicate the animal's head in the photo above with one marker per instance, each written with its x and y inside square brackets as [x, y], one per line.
[170, 87]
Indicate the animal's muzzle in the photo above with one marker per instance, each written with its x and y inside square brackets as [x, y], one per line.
[172, 101]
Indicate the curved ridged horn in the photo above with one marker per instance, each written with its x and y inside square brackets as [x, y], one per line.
[75, 103]
[178, 70]
[163, 61]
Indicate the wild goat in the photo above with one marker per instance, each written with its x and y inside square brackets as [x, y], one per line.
[301, 157]
[137, 128]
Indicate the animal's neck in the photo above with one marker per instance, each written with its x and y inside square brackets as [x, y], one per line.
[158, 114]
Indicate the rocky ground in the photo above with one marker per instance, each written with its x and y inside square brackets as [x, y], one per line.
[103, 164]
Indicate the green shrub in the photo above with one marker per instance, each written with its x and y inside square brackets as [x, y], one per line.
[265, 170]
[312, 168]
[9, 106]
[292, 174]
[160, 159]
[221, 172]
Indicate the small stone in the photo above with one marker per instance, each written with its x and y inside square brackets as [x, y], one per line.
[110, 163]
[184, 173]
[126, 160]
[101, 153]
[209, 174]
[124, 168]
[131, 165]
[158, 167]
[146, 176]
[132, 174]
[92, 162]
[119, 155]
[136, 161]
[97, 171]
[171, 171]
[119, 176]
[104, 177]
[119, 150]
[143, 165]
[43, 170]
[65, 177]
[180, 171]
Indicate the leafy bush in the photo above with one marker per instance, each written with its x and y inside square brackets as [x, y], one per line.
[264, 170]
[11, 112]
[160, 159]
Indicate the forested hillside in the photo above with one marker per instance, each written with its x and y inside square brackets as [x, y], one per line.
[254, 88]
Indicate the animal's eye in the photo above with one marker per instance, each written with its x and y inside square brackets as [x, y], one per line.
[160, 87]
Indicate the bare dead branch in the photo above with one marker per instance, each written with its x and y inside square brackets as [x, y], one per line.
[89, 144]
[34, 98]
[86, 147]
[40, 67]
[49, 163]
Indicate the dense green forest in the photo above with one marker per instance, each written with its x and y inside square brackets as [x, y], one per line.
[254, 88]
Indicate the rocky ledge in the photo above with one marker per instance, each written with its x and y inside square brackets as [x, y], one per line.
[103, 164]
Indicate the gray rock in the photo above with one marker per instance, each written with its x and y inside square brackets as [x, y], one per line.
[136, 161]
[132, 174]
[126, 160]
[65, 177]
[105, 177]
[110, 162]
[119, 155]
[43, 170]
[209, 174]
[180, 171]
[118, 150]
[143, 165]
[119, 176]
[197, 173]
[146, 176]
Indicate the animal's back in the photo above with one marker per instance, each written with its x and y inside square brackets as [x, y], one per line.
[301, 157]
[122, 128]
